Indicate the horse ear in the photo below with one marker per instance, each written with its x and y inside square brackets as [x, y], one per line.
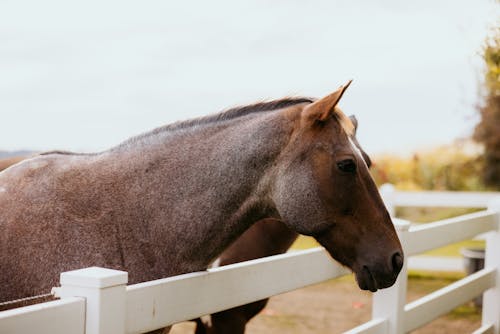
[354, 121]
[323, 108]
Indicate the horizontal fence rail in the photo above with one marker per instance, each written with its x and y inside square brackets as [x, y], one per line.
[429, 236]
[427, 308]
[149, 305]
[66, 316]
[97, 300]
[460, 199]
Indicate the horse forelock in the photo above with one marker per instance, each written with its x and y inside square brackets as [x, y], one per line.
[345, 122]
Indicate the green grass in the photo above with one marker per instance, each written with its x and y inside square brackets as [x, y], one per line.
[304, 242]
[423, 283]
[468, 311]
[443, 276]
[454, 249]
[427, 215]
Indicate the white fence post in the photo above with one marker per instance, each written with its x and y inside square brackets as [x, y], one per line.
[491, 297]
[388, 191]
[389, 303]
[105, 295]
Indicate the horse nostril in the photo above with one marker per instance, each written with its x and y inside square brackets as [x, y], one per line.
[397, 261]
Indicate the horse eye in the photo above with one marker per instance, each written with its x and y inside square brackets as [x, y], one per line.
[347, 166]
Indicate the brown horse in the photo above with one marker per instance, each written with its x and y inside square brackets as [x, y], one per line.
[265, 238]
[171, 200]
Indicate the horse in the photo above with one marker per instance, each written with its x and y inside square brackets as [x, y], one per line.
[169, 201]
[265, 238]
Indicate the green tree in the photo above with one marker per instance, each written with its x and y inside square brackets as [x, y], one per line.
[487, 131]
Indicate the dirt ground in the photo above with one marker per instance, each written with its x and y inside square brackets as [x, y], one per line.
[337, 306]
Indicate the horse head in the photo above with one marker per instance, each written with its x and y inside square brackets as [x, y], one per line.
[323, 188]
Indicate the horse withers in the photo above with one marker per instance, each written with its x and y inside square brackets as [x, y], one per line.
[170, 201]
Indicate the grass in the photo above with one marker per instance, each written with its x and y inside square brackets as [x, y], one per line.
[468, 311]
[423, 283]
[304, 242]
[426, 215]
[453, 250]
[444, 276]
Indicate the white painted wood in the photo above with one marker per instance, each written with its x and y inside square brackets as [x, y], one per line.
[374, 326]
[433, 305]
[436, 263]
[462, 199]
[491, 298]
[441, 233]
[65, 316]
[105, 294]
[94, 277]
[395, 296]
[388, 193]
[485, 329]
[164, 302]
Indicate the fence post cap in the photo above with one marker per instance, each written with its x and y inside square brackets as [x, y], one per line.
[401, 224]
[94, 277]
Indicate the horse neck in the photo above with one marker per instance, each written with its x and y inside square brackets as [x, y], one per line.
[204, 186]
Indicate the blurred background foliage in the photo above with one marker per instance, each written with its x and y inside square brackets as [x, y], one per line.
[467, 165]
[487, 131]
[452, 167]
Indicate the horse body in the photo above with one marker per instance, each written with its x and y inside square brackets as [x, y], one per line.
[131, 208]
[170, 201]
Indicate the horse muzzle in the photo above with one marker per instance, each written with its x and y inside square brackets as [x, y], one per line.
[374, 275]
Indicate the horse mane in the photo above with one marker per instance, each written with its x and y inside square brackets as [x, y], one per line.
[237, 112]
[226, 115]
[65, 153]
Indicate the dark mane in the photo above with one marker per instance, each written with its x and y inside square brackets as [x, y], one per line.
[64, 153]
[236, 112]
[260, 106]
[228, 114]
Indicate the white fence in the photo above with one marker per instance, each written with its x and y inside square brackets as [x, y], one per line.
[97, 300]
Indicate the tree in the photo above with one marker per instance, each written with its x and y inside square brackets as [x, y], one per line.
[487, 131]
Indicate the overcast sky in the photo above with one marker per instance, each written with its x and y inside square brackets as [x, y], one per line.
[86, 75]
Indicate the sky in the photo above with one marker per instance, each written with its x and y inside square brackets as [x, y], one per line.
[85, 76]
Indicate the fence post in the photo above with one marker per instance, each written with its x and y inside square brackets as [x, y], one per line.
[389, 303]
[105, 297]
[491, 297]
[388, 191]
